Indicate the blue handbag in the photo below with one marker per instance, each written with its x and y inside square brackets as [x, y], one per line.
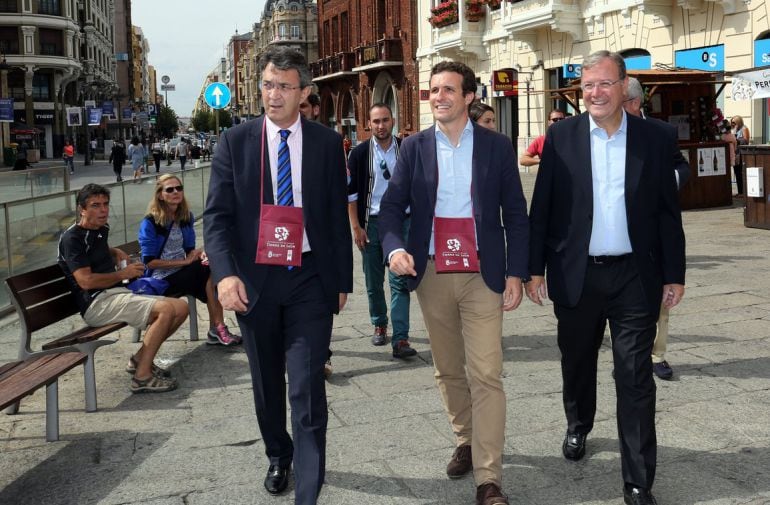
[148, 286]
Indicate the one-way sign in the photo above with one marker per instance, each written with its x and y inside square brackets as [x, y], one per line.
[217, 95]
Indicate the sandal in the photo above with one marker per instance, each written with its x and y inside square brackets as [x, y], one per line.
[156, 370]
[152, 384]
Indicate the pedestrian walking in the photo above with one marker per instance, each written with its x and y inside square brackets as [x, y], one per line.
[182, 149]
[137, 155]
[118, 158]
[606, 230]
[157, 153]
[285, 314]
[466, 257]
[68, 155]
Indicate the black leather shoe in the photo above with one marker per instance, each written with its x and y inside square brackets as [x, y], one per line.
[277, 479]
[633, 495]
[574, 446]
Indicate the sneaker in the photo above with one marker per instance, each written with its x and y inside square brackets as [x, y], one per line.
[153, 384]
[402, 349]
[380, 336]
[663, 370]
[328, 369]
[220, 335]
[461, 462]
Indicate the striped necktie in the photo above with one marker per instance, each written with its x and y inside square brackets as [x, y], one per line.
[284, 191]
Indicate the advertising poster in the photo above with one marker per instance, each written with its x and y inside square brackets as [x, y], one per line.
[94, 115]
[74, 116]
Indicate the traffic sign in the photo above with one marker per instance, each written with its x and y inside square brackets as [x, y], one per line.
[165, 79]
[152, 109]
[217, 95]
[168, 87]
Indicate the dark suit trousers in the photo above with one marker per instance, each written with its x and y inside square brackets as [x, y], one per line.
[612, 292]
[289, 330]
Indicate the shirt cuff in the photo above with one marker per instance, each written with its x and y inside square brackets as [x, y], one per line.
[394, 251]
[353, 198]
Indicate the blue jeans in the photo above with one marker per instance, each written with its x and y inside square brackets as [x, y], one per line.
[374, 274]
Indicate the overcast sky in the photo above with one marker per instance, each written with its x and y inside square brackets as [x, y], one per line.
[188, 38]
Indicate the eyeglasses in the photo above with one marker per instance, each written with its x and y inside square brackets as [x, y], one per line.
[602, 85]
[385, 171]
[172, 189]
[556, 119]
[280, 87]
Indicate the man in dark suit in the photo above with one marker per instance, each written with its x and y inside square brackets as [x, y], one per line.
[633, 105]
[461, 183]
[285, 313]
[607, 229]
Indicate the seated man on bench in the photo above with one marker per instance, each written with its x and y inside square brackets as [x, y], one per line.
[90, 267]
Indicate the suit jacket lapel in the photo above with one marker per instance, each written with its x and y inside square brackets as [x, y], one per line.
[584, 176]
[634, 163]
[479, 169]
[307, 156]
[429, 164]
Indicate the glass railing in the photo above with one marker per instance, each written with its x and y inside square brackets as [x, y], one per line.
[30, 227]
[19, 184]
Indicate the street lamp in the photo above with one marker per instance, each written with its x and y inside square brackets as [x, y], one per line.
[4, 133]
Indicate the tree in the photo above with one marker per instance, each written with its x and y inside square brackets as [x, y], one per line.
[201, 120]
[168, 122]
[225, 120]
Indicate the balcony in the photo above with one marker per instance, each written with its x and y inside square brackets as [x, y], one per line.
[333, 67]
[558, 15]
[385, 53]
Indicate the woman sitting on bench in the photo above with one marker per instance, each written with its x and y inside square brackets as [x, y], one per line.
[167, 240]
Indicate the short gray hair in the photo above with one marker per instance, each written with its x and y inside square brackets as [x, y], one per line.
[285, 58]
[595, 58]
[635, 89]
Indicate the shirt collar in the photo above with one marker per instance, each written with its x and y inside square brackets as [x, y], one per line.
[379, 148]
[272, 129]
[467, 130]
[622, 128]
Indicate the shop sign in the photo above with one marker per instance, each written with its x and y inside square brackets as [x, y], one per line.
[762, 53]
[638, 62]
[751, 85]
[6, 110]
[572, 70]
[711, 58]
[44, 117]
[505, 80]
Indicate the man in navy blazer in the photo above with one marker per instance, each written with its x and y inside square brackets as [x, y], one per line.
[606, 232]
[456, 169]
[285, 314]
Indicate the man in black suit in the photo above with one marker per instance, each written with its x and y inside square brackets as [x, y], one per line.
[633, 105]
[285, 313]
[469, 221]
[606, 227]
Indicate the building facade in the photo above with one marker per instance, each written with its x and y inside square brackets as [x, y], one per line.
[367, 55]
[539, 45]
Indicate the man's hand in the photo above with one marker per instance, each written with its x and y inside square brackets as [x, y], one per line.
[132, 271]
[232, 294]
[537, 291]
[672, 294]
[118, 255]
[343, 300]
[402, 263]
[360, 238]
[513, 293]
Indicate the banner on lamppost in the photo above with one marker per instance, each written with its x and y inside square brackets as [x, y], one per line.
[127, 113]
[108, 109]
[94, 115]
[74, 116]
[6, 110]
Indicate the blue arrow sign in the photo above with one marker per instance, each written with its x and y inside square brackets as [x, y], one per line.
[217, 95]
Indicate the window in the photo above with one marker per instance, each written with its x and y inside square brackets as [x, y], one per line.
[295, 31]
[9, 40]
[50, 7]
[282, 30]
[51, 42]
[16, 85]
[41, 87]
[8, 6]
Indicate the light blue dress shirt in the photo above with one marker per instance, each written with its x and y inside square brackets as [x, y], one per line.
[453, 197]
[609, 231]
[380, 184]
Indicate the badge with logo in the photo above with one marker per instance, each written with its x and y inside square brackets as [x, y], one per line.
[455, 242]
[280, 236]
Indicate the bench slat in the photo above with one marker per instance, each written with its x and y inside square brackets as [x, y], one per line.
[49, 313]
[27, 280]
[44, 292]
[82, 335]
[27, 376]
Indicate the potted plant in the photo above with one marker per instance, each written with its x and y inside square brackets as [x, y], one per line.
[444, 14]
[474, 9]
[493, 4]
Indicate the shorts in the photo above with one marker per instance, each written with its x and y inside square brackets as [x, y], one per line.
[120, 305]
[190, 280]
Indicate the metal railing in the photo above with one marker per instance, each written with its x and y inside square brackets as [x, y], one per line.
[30, 227]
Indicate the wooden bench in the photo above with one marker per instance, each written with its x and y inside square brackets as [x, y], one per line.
[22, 378]
[43, 297]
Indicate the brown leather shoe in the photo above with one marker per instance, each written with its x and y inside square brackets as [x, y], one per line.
[461, 462]
[380, 336]
[490, 493]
